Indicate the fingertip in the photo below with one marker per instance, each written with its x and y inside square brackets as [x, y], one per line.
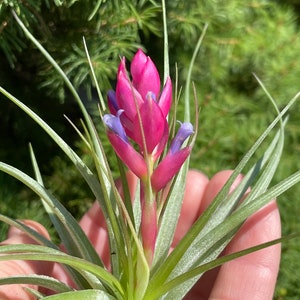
[260, 267]
[22, 267]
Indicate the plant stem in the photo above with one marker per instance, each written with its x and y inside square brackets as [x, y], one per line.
[148, 221]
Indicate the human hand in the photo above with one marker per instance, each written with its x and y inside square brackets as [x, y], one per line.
[248, 277]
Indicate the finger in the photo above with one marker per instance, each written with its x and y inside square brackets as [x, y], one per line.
[18, 267]
[262, 226]
[196, 184]
[203, 288]
[252, 276]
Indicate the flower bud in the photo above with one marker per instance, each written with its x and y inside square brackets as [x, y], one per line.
[144, 74]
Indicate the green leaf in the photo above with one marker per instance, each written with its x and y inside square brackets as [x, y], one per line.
[189, 75]
[29, 231]
[215, 263]
[215, 236]
[169, 218]
[106, 202]
[174, 201]
[81, 295]
[41, 253]
[76, 240]
[81, 166]
[39, 280]
[166, 42]
[187, 252]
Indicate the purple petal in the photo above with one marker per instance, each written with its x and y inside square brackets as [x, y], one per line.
[185, 130]
[114, 124]
[112, 102]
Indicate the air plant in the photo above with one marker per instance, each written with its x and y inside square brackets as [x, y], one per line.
[141, 228]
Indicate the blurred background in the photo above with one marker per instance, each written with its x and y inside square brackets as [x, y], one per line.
[243, 37]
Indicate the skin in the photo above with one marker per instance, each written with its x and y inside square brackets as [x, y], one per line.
[250, 277]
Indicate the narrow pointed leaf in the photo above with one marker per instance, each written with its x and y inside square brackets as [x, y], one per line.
[82, 295]
[163, 289]
[168, 266]
[74, 238]
[39, 280]
[41, 253]
[83, 169]
[169, 218]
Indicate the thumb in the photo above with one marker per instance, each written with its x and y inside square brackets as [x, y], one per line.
[21, 267]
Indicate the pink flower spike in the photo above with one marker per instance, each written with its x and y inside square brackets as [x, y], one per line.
[145, 77]
[168, 168]
[132, 159]
[165, 99]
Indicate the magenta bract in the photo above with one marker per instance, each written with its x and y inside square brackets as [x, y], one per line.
[173, 161]
[132, 159]
[153, 125]
[168, 168]
[165, 99]
[145, 77]
[128, 98]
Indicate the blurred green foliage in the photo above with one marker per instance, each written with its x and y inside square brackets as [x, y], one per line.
[243, 37]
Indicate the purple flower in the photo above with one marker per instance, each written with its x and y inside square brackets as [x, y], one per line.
[112, 102]
[185, 130]
[114, 124]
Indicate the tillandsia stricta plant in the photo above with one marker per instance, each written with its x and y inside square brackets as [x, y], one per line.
[143, 264]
